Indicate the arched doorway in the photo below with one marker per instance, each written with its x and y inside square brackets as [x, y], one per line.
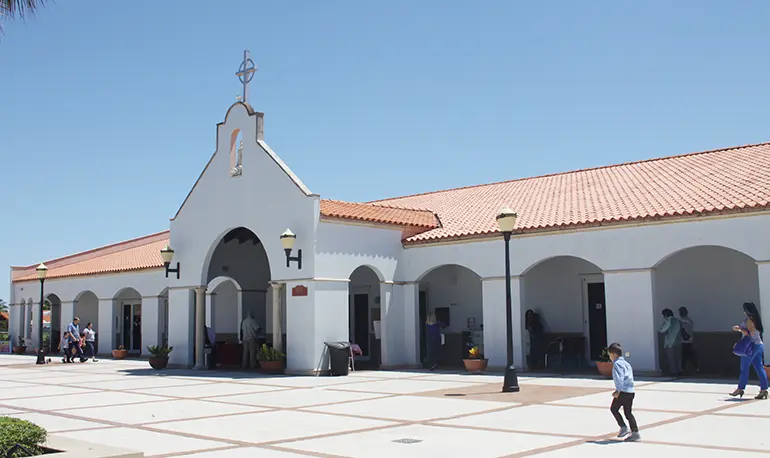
[712, 282]
[86, 307]
[364, 316]
[238, 275]
[566, 295]
[52, 325]
[452, 293]
[128, 307]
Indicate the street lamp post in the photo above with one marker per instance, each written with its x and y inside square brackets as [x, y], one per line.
[42, 271]
[506, 220]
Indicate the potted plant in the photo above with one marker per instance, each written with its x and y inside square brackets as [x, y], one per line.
[475, 362]
[270, 359]
[120, 353]
[21, 438]
[604, 364]
[21, 346]
[159, 356]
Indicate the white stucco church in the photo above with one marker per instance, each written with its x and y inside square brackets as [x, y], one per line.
[598, 253]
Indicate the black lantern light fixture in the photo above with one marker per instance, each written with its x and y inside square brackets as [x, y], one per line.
[42, 272]
[168, 254]
[287, 240]
[506, 220]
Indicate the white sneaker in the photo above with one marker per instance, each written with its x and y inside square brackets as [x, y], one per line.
[633, 437]
[624, 431]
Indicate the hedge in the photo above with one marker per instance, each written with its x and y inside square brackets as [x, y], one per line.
[16, 431]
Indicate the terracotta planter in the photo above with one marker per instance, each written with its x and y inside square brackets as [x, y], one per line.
[605, 368]
[475, 365]
[20, 350]
[120, 354]
[158, 362]
[271, 366]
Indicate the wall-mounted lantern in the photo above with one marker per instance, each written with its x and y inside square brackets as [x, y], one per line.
[287, 240]
[168, 254]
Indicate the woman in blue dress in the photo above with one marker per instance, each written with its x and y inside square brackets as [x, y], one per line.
[752, 327]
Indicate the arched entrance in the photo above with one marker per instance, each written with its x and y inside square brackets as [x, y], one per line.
[128, 305]
[712, 282]
[453, 294]
[238, 279]
[364, 316]
[566, 296]
[86, 307]
[52, 325]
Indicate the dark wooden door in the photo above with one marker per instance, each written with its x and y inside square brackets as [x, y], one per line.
[597, 320]
[361, 322]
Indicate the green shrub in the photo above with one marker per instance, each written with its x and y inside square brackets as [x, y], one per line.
[16, 431]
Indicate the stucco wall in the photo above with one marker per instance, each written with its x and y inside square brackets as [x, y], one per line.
[342, 248]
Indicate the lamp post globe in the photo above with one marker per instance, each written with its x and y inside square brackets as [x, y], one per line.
[506, 221]
[42, 272]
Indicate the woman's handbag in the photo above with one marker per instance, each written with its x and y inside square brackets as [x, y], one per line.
[744, 347]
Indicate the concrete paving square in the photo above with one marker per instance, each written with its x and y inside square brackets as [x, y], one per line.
[717, 431]
[79, 401]
[6, 385]
[206, 390]
[685, 387]
[247, 452]
[747, 407]
[296, 398]
[305, 382]
[163, 411]
[271, 426]
[463, 378]
[400, 386]
[36, 391]
[547, 419]
[433, 442]
[151, 442]
[613, 449]
[55, 424]
[138, 383]
[411, 408]
[655, 400]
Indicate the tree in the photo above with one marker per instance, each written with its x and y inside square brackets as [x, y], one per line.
[3, 306]
[18, 9]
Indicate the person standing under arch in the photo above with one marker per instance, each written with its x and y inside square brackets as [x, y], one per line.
[688, 335]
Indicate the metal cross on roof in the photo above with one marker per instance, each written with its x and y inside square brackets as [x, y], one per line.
[245, 74]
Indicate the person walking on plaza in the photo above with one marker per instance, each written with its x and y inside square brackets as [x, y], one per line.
[73, 339]
[752, 355]
[90, 342]
[688, 335]
[433, 341]
[249, 334]
[623, 396]
[672, 340]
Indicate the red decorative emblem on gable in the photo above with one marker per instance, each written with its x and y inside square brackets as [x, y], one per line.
[299, 290]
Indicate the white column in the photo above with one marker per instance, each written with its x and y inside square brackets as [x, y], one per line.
[631, 316]
[210, 304]
[200, 323]
[181, 321]
[493, 305]
[107, 327]
[390, 344]
[151, 321]
[763, 270]
[411, 323]
[277, 328]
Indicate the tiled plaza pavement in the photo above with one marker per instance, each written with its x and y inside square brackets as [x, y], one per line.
[230, 414]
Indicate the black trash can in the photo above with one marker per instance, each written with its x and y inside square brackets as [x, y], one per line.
[339, 357]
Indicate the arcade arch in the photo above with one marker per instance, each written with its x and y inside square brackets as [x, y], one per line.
[364, 315]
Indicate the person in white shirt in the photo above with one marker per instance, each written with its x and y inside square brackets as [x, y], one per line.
[90, 341]
[249, 332]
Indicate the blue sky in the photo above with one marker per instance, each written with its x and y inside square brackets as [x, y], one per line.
[107, 109]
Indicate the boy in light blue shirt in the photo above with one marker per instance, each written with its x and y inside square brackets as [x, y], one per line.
[623, 396]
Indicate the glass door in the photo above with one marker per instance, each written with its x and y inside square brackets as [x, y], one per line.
[132, 327]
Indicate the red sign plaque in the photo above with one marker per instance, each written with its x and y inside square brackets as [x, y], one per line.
[299, 291]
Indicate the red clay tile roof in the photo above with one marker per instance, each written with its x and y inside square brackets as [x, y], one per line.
[377, 213]
[711, 182]
[136, 254]
[3, 316]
